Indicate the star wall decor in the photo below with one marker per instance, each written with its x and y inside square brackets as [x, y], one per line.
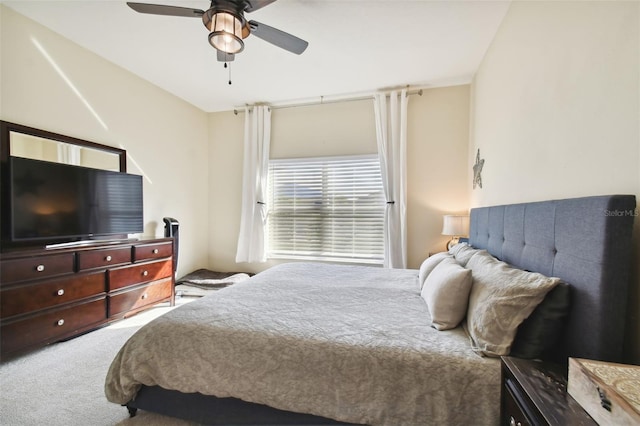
[477, 171]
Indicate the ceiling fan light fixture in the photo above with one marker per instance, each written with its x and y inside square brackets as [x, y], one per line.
[226, 33]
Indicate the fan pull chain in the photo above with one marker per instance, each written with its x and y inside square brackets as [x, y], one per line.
[229, 67]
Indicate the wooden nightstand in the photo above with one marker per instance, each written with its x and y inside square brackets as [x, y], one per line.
[535, 393]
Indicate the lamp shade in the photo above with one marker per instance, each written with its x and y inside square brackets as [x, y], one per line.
[457, 225]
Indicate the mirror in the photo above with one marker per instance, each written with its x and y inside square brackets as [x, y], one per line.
[36, 148]
[28, 142]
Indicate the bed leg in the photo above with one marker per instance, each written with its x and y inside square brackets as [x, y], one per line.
[132, 411]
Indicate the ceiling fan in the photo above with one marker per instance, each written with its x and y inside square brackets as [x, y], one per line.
[227, 25]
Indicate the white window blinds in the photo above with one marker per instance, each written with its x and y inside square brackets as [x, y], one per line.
[326, 209]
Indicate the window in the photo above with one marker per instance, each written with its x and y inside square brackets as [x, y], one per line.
[326, 209]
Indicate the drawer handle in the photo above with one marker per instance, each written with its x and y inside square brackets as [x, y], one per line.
[60, 322]
[144, 296]
[40, 268]
[145, 273]
[155, 251]
[512, 422]
[60, 292]
[107, 259]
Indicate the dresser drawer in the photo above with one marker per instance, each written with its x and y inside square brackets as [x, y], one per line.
[103, 258]
[512, 411]
[152, 251]
[52, 325]
[32, 297]
[36, 267]
[140, 296]
[138, 274]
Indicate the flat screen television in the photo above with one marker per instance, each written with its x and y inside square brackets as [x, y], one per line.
[52, 202]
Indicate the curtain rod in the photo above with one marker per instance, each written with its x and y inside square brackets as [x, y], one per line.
[322, 101]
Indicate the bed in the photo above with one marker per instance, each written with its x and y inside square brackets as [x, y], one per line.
[331, 344]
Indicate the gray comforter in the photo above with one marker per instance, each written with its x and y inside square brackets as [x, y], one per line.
[345, 342]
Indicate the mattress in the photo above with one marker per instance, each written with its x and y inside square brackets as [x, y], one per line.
[351, 343]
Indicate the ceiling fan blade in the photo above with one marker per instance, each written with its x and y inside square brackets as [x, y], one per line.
[225, 57]
[278, 38]
[253, 5]
[159, 9]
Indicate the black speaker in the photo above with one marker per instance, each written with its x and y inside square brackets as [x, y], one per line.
[172, 229]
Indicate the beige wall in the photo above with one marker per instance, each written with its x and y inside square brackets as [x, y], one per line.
[341, 128]
[166, 139]
[438, 177]
[226, 133]
[436, 150]
[556, 111]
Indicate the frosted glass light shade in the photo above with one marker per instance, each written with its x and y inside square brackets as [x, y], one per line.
[226, 33]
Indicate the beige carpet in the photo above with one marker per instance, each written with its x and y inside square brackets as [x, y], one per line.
[63, 384]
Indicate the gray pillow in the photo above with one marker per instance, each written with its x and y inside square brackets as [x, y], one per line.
[538, 335]
[501, 298]
[462, 252]
[446, 291]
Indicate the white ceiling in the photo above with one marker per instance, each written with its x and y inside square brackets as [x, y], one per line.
[355, 46]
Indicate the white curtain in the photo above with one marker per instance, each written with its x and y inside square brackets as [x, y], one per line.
[257, 137]
[391, 131]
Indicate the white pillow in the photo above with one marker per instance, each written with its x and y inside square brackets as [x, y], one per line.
[428, 265]
[501, 298]
[446, 291]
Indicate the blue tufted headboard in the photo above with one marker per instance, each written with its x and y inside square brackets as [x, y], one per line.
[584, 241]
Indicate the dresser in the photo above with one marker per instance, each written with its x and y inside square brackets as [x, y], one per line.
[48, 295]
